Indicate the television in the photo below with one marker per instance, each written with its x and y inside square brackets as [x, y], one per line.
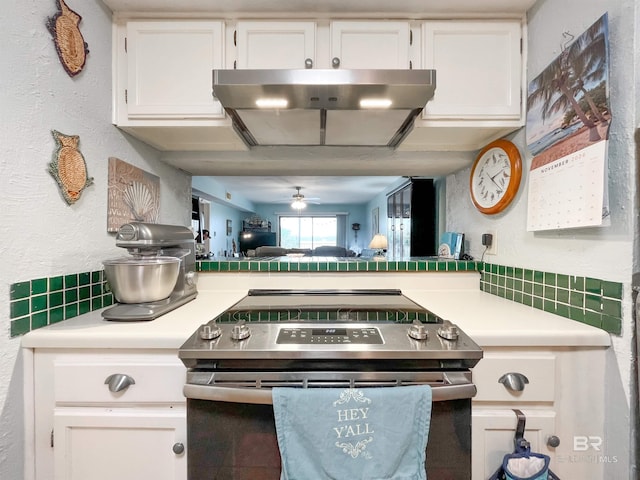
[253, 240]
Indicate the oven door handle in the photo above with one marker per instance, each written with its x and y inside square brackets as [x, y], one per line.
[263, 395]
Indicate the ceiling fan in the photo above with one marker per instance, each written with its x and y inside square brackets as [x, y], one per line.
[298, 201]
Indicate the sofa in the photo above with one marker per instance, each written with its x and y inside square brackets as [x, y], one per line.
[323, 251]
[331, 251]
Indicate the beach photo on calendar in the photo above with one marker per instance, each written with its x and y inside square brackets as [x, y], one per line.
[568, 103]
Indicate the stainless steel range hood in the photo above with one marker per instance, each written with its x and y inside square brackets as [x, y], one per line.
[323, 107]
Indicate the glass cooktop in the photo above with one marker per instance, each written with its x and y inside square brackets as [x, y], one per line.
[372, 305]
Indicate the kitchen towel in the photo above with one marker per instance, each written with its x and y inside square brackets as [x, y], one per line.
[354, 433]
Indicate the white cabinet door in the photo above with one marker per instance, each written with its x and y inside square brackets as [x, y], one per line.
[478, 69]
[370, 44]
[120, 443]
[169, 66]
[492, 434]
[275, 44]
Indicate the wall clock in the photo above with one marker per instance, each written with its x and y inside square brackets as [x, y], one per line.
[495, 177]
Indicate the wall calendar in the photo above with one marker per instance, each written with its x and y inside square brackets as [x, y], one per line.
[568, 121]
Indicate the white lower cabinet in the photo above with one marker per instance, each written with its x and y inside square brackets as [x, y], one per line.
[493, 437]
[549, 386]
[81, 428]
[123, 443]
[108, 414]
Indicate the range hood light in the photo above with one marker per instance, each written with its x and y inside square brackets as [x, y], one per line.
[375, 103]
[272, 103]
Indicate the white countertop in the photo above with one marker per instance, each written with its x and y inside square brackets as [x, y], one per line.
[488, 319]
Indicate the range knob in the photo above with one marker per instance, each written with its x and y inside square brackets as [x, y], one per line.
[417, 330]
[448, 331]
[210, 331]
[240, 331]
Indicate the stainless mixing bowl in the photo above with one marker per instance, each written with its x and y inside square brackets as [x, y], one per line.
[142, 279]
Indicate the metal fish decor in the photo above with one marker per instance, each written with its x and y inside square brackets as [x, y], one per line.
[68, 167]
[70, 44]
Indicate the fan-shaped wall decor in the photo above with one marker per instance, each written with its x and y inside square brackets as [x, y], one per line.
[70, 45]
[133, 195]
[68, 167]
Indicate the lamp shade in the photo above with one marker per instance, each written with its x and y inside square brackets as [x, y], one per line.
[379, 242]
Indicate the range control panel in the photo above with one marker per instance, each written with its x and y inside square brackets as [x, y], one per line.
[329, 336]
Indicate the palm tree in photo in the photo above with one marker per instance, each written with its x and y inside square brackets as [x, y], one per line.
[582, 62]
[587, 58]
[554, 88]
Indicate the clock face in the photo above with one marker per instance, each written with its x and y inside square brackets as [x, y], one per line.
[495, 177]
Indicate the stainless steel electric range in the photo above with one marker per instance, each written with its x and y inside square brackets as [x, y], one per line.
[319, 338]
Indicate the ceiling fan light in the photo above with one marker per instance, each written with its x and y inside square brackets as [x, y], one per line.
[298, 204]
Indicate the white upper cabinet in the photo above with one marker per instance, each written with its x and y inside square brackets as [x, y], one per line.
[338, 44]
[370, 44]
[163, 73]
[478, 69]
[275, 44]
[169, 66]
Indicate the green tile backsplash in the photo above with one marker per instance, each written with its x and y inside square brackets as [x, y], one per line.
[588, 300]
[321, 264]
[44, 301]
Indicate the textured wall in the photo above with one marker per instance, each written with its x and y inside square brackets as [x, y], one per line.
[605, 253]
[40, 235]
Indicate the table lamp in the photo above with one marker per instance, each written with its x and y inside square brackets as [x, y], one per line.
[379, 244]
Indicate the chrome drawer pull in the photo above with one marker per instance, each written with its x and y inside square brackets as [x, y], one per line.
[513, 381]
[119, 382]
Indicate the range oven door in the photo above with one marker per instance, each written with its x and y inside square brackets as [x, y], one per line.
[231, 430]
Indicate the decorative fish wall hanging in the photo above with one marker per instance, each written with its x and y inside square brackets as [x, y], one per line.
[70, 45]
[68, 167]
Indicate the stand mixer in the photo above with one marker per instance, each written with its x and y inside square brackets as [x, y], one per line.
[149, 241]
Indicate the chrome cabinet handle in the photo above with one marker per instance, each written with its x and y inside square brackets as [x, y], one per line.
[335, 62]
[308, 63]
[119, 382]
[513, 381]
[178, 448]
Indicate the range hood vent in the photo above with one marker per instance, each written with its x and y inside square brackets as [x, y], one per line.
[373, 108]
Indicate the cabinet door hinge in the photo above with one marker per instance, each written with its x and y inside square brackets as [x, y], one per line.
[235, 64]
[521, 45]
[235, 38]
[125, 44]
[51, 438]
[126, 96]
[410, 37]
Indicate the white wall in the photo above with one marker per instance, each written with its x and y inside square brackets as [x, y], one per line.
[605, 253]
[40, 235]
[220, 241]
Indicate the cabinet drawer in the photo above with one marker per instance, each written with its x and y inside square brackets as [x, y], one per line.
[80, 379]
[539, 370]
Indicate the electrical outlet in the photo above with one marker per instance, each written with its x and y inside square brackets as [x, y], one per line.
[493, 248]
